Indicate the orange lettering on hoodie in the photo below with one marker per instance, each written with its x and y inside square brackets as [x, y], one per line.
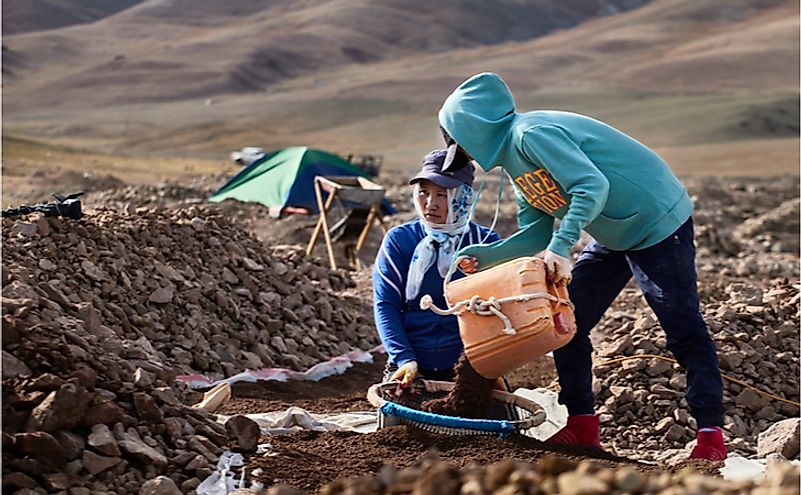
[540, 190]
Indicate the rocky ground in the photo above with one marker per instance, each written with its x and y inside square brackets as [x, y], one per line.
[101, 314]
[477, 466]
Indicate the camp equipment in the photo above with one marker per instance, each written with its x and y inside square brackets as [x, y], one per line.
[512, 414]
[65, 206]
[508, 315]
[363, 200]
[284, 181]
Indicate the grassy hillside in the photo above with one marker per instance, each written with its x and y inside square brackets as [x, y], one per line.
[167, 51]
[712, 84]
[21, 16]
[721, 128]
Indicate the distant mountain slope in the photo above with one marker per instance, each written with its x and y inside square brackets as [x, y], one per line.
[12, 61]
[165, 50]
[22, 16]
[673, 72]
[667, 46]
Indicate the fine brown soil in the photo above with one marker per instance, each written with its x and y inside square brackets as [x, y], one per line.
[470, 397]
[339, 393]
[308, 460]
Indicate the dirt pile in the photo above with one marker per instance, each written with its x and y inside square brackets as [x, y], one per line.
[470, 397]
[553, 475]
[88, 431]
[253, 217]
[183, 289]
[734, 217]
[99, 315]
[166, 194]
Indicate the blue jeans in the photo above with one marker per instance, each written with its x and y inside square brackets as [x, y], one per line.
[666, 275]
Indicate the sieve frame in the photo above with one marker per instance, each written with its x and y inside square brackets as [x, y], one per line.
[375, 395]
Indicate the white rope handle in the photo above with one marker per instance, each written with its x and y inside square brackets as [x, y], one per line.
[485, 307]
[475, 305]
[488, 307]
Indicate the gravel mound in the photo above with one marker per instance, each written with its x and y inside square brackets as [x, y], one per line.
[99, 315]
[185, 289]
[642, 406]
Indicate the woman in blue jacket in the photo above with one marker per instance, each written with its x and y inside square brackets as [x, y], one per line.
[412, 262]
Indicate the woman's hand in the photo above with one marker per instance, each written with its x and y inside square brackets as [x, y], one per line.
[405, 375]
[469, 265]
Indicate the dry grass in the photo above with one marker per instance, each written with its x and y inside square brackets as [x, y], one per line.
[31, 170]
[21, 156]
[748, 158]
[714, 85]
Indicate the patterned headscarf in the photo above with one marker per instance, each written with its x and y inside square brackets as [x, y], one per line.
[446, 236]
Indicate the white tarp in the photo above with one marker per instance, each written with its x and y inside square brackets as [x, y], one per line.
[334, 366]
[222, 481]
[296, 419]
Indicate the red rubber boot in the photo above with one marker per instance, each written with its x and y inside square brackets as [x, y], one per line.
[580, 430]
[710, 445]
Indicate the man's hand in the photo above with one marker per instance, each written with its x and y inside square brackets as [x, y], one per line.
[559, 268]
[405, 374]
[468, 265]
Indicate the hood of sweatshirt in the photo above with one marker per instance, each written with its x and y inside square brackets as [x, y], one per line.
[478, 115]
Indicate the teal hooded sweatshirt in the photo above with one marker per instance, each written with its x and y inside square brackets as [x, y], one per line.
[564, 165]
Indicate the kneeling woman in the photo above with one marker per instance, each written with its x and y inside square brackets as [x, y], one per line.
[413, 261]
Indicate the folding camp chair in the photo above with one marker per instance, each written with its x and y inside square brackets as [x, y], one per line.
[362, 199]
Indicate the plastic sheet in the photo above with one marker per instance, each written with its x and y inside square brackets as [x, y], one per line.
[334, 366]
[295, 418]
[223, 481]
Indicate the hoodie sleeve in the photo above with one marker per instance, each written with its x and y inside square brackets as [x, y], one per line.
[388, 294]
[535, 231]
[576, 174]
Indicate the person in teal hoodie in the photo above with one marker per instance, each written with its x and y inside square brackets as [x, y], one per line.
[592, 177]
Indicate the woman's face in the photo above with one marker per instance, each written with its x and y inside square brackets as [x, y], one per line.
[433, 202]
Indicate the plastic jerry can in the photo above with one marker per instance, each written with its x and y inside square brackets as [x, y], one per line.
[542, 319]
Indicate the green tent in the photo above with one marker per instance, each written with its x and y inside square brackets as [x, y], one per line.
[284, 181]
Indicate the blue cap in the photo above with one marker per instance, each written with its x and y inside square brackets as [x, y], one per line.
[432, 170]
